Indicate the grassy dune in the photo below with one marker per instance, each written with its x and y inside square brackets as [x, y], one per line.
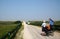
[6, 26]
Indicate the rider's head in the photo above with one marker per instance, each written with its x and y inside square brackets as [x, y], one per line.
[44, 21]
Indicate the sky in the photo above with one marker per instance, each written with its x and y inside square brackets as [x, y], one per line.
[29, 9]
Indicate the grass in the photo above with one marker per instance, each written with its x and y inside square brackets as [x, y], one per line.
[6, 26]
[57, 23]
[38, 23]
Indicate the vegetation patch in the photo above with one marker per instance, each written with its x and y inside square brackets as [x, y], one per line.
[8, 26]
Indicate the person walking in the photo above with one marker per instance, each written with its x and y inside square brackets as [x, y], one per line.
[51, 22]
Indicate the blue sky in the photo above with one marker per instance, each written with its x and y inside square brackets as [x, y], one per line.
[29, 9]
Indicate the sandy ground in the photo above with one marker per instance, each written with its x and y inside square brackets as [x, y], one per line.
[19, 35]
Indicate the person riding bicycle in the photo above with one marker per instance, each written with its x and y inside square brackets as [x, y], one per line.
[44, 29]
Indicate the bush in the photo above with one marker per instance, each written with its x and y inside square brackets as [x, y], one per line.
[17, 22]
[37, 23]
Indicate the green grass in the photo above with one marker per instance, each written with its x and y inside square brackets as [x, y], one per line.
[57, 23]
[38, 23]
[6, 26]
